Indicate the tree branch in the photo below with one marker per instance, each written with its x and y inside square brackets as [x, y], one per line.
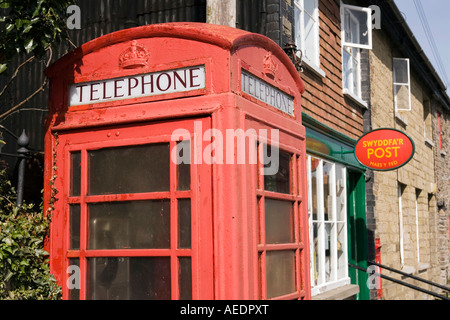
[15, 74]
[42, 88]
[17, 106]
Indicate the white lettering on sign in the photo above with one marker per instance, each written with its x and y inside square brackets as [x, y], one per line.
[143, 85]
[266, 93]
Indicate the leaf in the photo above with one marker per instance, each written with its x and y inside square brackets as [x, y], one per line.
[8, 276]
[29, 45]
[9, 27]
[4, 5]
[20, 22]
[38, 8]
[8, 241]
[27, 29]
[3, 68]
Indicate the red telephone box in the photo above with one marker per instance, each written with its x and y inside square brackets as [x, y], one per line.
[175, 167]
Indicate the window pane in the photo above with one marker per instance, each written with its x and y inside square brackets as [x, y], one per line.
[402, 97]
[315, 254]
[401, 71]
[279, 222]
[134, 169]
[341, 254]
[184, 223]
[129, 279]
[74, 227]
[75, 174]
[184, 167]
[310, 5]
[310, 38]
[298, 27]
[129, 225]
[327, 198]
[280, 277]
[328, 251]
[74, 279]
[315, 163]
[357, 30]
[279, 182]
[185, 279]
[341, 196]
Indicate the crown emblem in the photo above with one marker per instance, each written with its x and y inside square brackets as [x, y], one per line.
[270, 67]
[136, 56]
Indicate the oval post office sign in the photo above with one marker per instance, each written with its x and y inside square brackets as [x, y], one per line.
[384, 149]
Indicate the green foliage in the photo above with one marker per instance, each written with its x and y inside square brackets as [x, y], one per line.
[31, 26]
[24, 267]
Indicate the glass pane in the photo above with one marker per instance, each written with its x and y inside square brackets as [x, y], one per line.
[298, 27]
[184, 223]
[184, 167]
[74, 279]
[326, 191]
[280, 277]
[314, 188]
[129, 225]
[347, 69]
[134, 169]
[356, 26]
[185, 279]
[341, 251]
[129, 279]
[327, 251]
[310, 6]
[279, 222]
[75, 174]
[75, 227]
[402, 97]
[401, 74]
[280, 181]
[315, 254]
[341, 197]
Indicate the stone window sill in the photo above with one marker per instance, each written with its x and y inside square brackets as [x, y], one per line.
[355, 99]
[400, 119]
[429, 143]
[314, 68]
[341, 293]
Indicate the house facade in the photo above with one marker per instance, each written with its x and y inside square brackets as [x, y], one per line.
[362, 71]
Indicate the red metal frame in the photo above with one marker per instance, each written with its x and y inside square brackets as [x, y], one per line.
[201, 219]
[378, 260]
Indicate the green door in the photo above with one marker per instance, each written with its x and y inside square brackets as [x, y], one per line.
[357, 232]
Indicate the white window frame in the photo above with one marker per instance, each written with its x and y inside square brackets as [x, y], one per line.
[355, 43]
[334, 280]
[401, 84]
[352, 73]
[401, 189]
[418, 191]
[300, 34]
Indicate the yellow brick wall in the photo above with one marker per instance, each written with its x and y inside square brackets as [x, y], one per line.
[417, 175]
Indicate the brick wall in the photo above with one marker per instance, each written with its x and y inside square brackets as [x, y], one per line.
[323, 98]
[442, 173]
[417, 178]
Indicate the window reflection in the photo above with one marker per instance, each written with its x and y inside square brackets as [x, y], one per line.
[129, 278]
[281, 181]
[129, 225]
[147, 170]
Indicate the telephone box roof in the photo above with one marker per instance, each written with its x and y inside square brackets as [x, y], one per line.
[225, 37]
